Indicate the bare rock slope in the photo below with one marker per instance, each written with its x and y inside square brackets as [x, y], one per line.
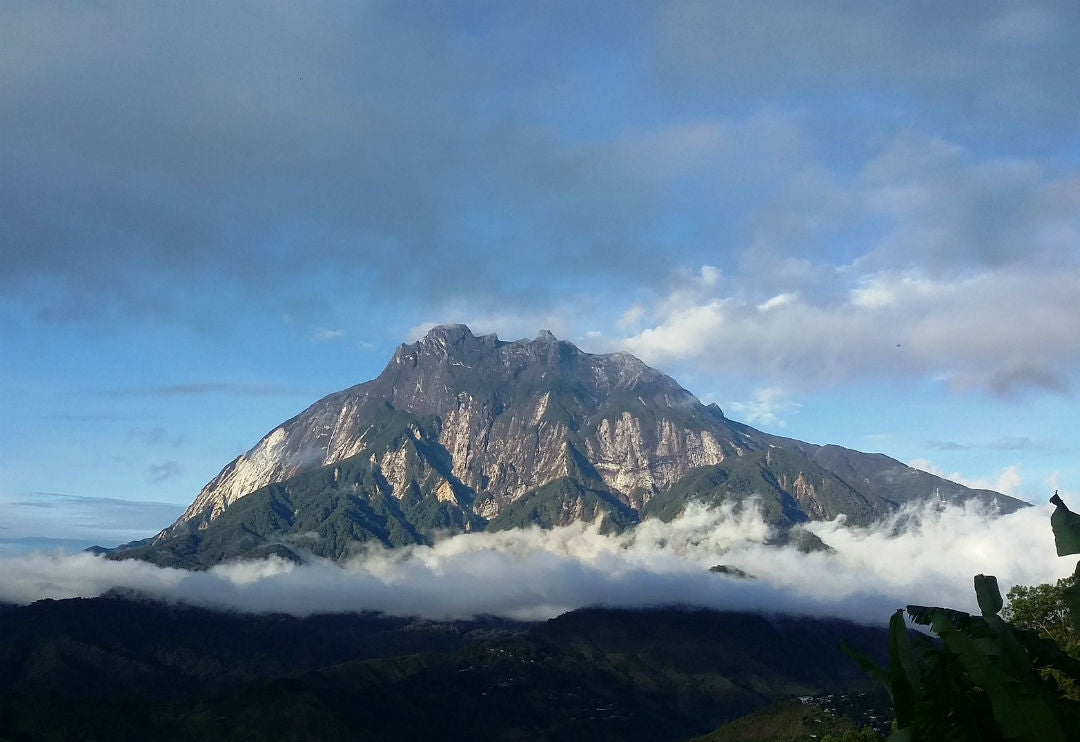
[461, 432]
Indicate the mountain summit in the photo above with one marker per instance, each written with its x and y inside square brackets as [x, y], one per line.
[463, 432]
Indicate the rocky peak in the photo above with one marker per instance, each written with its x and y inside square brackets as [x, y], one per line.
[443, 344]
[428, 376]
[715, 409]
[460, 431]
[444, 338]
[545, 343]
[450, 331]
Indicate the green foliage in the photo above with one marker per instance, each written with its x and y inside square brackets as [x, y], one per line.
[1042, 608]
[791, 719]
[852, 735]
[879, 476]
[1066, 525]
[787, 485]
[561, 502]
[326, 511]
[986, 679]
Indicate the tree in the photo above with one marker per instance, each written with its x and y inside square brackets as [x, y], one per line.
[1042, 608]
[987, 679]
[1066, 525]
[851, 735]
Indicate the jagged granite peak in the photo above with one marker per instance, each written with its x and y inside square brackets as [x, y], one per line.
[424, 377]
[460, 432]
[501, 411]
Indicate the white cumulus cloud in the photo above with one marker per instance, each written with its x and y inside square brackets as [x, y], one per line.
[924, 555]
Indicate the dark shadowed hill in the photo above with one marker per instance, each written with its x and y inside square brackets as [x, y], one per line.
[126, 669]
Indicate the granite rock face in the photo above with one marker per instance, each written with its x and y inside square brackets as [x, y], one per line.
[460, 431]
[508, 418]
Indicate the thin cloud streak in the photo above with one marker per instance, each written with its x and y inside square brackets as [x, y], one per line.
[200, 389]
[96, 520]
[163, 470]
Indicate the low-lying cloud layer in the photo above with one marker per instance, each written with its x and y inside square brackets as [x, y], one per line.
[925, 555]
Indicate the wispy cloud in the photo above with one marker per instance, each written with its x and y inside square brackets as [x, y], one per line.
[325, 334]
[1005, 443]
[88, 417]
[200, 389]
[946, 446]
[164, 470]
[1007, 480]
[156, 437]
[102, 520]
[1015, 443]
[766, 409]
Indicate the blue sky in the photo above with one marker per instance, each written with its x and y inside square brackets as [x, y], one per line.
[847, 223]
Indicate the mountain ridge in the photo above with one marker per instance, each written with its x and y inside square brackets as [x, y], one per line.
[122, 666]
[459, 432]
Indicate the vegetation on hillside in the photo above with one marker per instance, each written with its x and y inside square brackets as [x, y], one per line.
[125, 669]
[796, 719]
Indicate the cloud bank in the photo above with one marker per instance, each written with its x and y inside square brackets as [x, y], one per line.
[926, 261]
[924, 555]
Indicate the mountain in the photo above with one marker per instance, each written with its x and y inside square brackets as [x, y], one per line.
[461, 433]
[123, 668]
